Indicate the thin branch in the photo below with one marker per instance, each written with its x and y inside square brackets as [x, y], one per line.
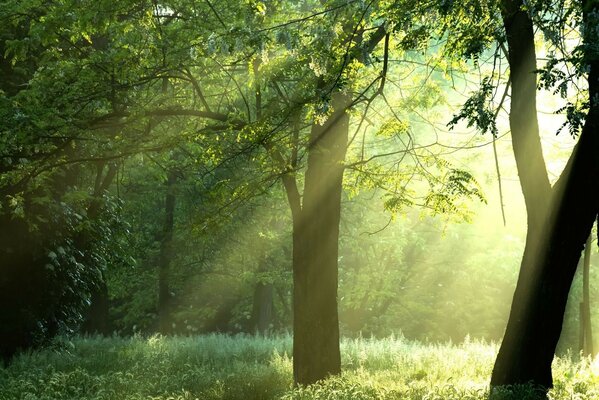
[216, 13]
[497, 158]
[303, 19]
[288, 179]
[197, 89]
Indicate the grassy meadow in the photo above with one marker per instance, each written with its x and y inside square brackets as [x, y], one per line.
[244, 367]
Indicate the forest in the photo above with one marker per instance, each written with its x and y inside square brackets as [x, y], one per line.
[299, 199]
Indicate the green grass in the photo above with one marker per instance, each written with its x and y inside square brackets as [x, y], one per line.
[243, 367]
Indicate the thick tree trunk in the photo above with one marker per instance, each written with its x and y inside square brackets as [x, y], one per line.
[556, 233]
[574, 213]
[538, 308]
[316, 352]
[166, 255]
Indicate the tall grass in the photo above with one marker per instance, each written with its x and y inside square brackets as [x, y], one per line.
[245, 367]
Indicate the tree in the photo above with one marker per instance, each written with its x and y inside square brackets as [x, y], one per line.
[321, 102]
[586, 328]
[559, 218]
[96, 317]
[52, 210]
[316, 214]
[166, 253]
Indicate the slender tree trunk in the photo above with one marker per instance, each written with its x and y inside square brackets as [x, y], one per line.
[262, 309]
[535, 186]
[557, 229]
[97, 316]
[586, 331]
[166, 256]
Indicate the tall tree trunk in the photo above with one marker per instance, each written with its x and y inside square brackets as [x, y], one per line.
[316, 352]
[585, 315]
[262, 309]
[166, 255]
[535, 186]
[97, 316]
[559, 220]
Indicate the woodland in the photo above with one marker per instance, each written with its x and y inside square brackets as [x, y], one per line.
[311, 199]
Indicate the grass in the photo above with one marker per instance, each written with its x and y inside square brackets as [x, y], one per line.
[244, 367]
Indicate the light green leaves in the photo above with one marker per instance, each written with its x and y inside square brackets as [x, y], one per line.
[393, 127]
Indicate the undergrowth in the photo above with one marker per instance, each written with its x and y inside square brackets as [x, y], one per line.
[244, 367]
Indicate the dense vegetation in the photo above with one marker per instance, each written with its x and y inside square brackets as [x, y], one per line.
[245, 368]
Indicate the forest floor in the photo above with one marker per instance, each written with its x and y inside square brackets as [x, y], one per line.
[245, 367]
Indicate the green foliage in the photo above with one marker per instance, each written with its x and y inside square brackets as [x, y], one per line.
[457, 184]
[478, 111]
[393, 127]
[471, 27]
[56, 256]
[575, 117]
[424, 276]
[552, 77]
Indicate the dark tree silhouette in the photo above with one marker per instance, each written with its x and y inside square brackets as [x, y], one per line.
[559, 218]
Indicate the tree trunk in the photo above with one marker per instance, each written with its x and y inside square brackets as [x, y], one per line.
[586, 331]
[166, 255]
[513, 363]
[556, 233]
[316, 352]
[262, 308]
[97, 316]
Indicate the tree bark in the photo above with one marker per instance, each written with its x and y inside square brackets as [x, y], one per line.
[559, 220]
[586, 331]
[535, 186]
[166, 256]
[262, 308]
[97, 316]
[316, 353]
